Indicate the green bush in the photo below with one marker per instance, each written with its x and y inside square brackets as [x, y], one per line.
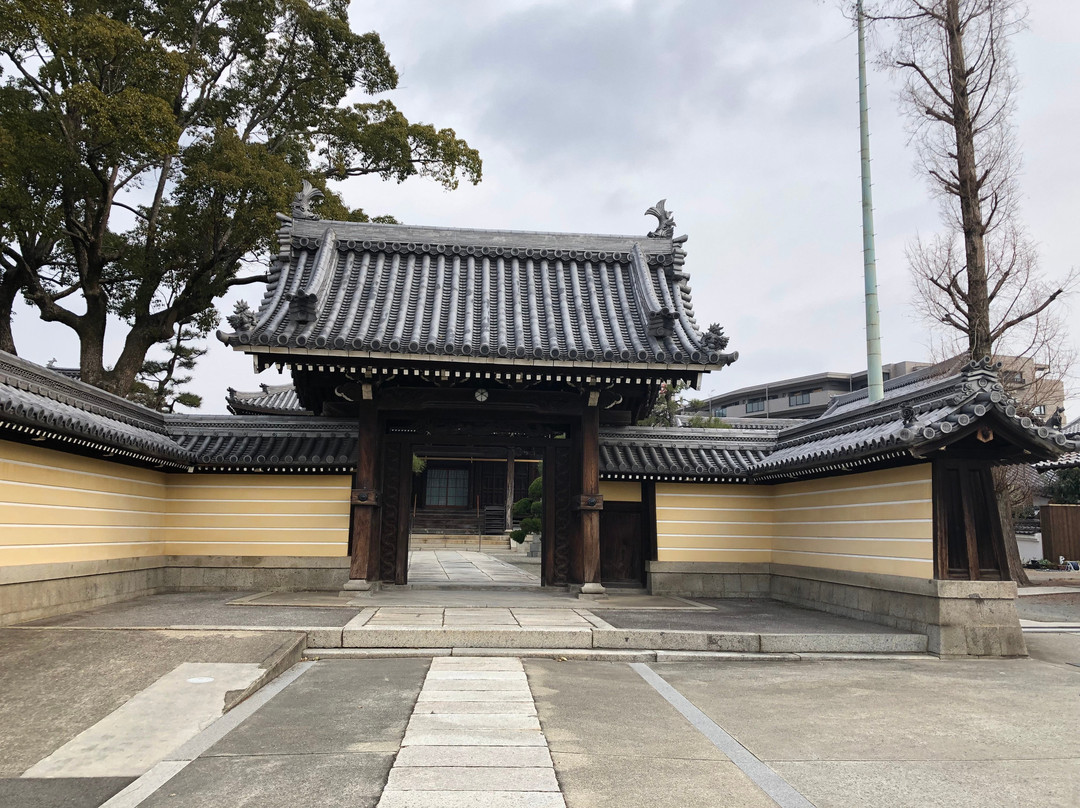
[522, 508]
[530, 524]
[536, 489]
[517, 535]
[537, 509]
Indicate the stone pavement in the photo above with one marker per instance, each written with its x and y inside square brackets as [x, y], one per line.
[473, 739]
[536, 733]
[465, 568]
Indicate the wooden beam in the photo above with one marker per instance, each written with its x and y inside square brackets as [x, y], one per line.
[591, 501]
[363, 527]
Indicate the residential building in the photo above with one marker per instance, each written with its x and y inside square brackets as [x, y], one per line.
[1038, 394]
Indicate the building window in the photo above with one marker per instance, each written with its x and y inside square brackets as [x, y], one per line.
[719, 412]
[1039, 409]
[447, 488]
[797, 399]
[755, 405]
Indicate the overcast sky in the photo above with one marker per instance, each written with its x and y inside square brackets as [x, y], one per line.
[743, 115]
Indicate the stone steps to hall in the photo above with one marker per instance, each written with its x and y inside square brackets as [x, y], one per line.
[458, 541]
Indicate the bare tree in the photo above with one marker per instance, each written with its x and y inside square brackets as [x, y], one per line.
[979, 279]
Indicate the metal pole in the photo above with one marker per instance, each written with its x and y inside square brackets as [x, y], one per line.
[875, 385]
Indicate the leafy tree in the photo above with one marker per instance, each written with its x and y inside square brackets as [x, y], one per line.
[1064, 487]
[145, 147]
[158, 384]
[530, 511]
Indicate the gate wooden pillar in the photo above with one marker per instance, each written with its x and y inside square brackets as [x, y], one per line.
[590, 503]
[364, 511]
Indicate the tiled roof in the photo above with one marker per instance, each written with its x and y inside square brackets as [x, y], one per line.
[272, 399]
[655, 453]
[382, 291]
[911, 420]
[46, 405]
[267, 443]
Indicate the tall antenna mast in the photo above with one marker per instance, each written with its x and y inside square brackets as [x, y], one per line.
[875, 385]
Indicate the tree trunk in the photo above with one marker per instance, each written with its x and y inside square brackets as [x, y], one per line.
[9, 290]
[1003, 490]
[969, 187]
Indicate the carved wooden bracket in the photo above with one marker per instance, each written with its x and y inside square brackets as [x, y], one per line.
[365, 496]
[589, 502]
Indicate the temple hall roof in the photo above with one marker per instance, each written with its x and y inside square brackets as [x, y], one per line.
[405, 292]
[272, 399]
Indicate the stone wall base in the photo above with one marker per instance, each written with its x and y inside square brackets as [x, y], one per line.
[36, 591]
[959, 618]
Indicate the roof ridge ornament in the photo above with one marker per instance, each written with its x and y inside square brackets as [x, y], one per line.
[665, 218]
[301, 205]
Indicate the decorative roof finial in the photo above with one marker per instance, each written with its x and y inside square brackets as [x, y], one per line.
[301, 206]
[665, 218]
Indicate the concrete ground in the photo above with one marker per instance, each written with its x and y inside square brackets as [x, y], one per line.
[57, 684]
[90, 712]
[460, 731]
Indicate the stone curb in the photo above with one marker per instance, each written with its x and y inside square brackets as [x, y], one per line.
[606, 655]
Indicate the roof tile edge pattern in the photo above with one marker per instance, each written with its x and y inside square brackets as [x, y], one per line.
[507, 296]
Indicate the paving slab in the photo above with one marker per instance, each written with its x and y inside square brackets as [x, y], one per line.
[56, 683]
[474, 737]
[471, 799]
[617, 742]
[888, 710]
[155, 721]
[276, 781]
[450, 721]
[198, 609]
[472, 695]
[480, 707]
[504, 756]
[341, 706]
[498, 637]
[606, 709]
[473, 778]
[1053, 783]
[749, 615]
[59, 792]
[604, 781]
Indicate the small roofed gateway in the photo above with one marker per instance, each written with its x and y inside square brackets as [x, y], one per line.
[466, 346]
[489, 353]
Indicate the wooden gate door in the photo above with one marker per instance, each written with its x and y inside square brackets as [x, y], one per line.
[622, 544]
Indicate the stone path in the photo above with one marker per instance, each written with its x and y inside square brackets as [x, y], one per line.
[465, 567]
[473, 739]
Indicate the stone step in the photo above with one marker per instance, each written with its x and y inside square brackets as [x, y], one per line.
[421, 636]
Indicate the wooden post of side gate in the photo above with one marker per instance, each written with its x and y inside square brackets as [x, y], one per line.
[590, 503]
[363, 523]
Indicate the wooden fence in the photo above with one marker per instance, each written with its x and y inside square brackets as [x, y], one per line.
[1060, 531]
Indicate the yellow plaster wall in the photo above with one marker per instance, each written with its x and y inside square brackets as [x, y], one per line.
[620, 492]
[713, 523]
[257, 514]
[57, 507]
[879, 521]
